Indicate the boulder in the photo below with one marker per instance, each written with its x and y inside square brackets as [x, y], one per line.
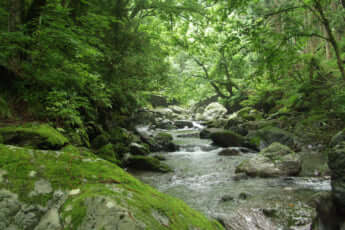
[107, 152]
[227, 139]
[164, 142]
[230, 152]
[214, 111]
[100, 141]
[246, 219]
[275, 160]
[327, 215]
[236, 125]
[178, 110]
[201, 105]
[184, 123]
[164, 124]
[146, 163]
[206, 133]
[138, 149]
[336, 163]
[218, 123]
[264, 137]
[86, 192]
[249, 114]
[37, 136]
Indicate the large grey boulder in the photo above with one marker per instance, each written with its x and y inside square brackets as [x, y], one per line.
[246, 219]
[275, 160]
[214, 111]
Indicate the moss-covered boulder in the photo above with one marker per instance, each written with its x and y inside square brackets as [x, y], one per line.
[147, 163]
[227, 139]
[38, 136]
[58, 190]
[100, 141]
[275, 160]
[164, 142]
[107, 152]
[264, 137]
[78, 137]
[249, 114]
[138, 149]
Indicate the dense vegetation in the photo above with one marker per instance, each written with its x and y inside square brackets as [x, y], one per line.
[76, 62]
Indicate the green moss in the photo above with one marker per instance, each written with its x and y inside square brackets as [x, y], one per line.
[147, 163]
[67, 170]
[227, 139]
[79, 137]
[100, 141]
[41, 136]
[163, 137]
[1, 139]
[107, 152]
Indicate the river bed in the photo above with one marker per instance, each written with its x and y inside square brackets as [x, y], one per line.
[207, 182]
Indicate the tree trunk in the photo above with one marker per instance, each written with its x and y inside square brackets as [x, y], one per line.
[15, 14]
[331, 37]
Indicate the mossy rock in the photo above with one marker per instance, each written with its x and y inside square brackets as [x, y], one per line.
[38, 136]
[100, 141]
[139, 149]
[107, 152]
[275, 160]
[86, 191]
[122, 135]
[163, 142]
[268, 135]
[163, 137]
[79, 137]
[147, 163]
[227, 139]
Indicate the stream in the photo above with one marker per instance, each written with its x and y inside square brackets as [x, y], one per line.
[207, 182]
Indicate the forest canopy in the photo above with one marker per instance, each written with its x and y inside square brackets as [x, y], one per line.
[74, 61]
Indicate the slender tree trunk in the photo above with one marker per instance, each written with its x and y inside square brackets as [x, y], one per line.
[331, 37]
[15, 14]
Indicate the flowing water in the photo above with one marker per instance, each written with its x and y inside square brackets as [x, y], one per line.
[207, 181]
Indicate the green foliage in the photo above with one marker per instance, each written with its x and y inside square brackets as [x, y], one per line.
[41, 136]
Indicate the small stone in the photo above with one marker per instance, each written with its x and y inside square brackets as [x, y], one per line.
[68, 220]
[32, 173]
[243, 196]
[68, 208]
[269, 212]
[42, 187]
[74, 192]
[227, 198]
[110, 204]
